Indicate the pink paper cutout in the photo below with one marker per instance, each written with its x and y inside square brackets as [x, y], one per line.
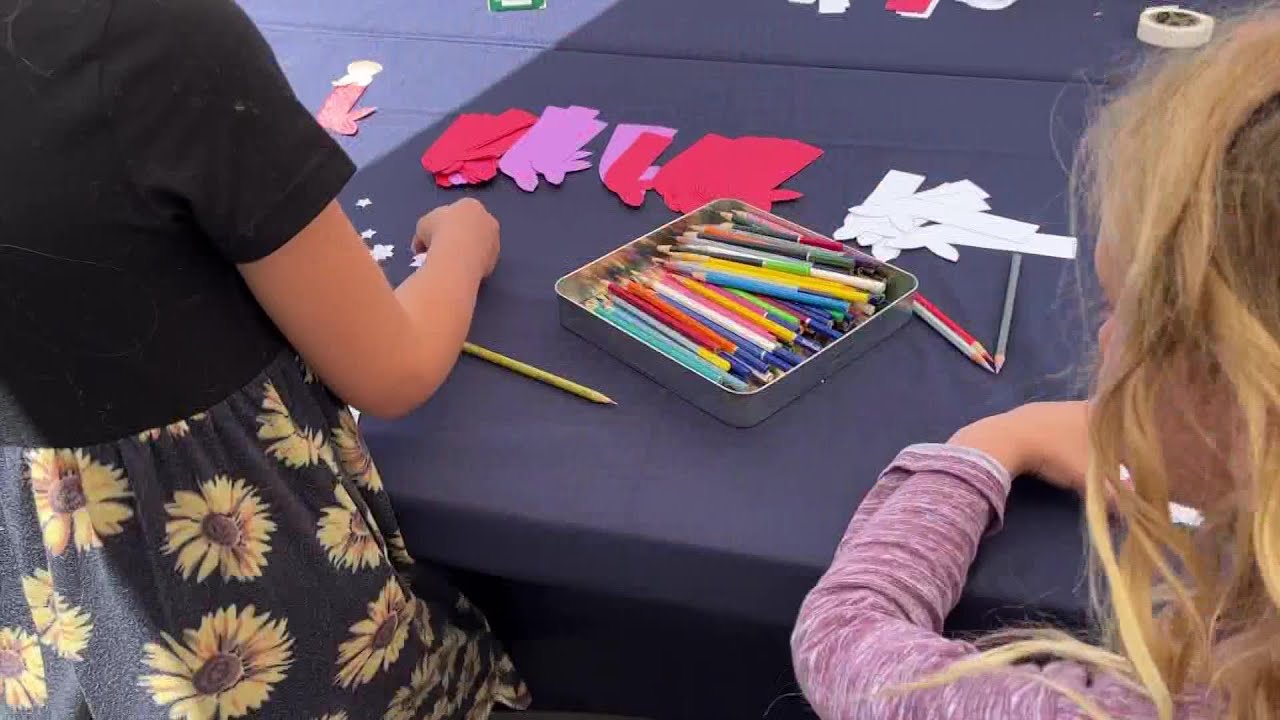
[467, 152]
[626, 176]
[624, 135]
[552, 147]
[746, 168]
[339, 114]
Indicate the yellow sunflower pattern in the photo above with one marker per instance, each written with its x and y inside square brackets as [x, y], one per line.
[399, 551]
[292, 445]
[353, 454]
[226, 526]
[63, 627]
[225, 669]
[177, 429]
[408, 700]
[21, 670]
[348, 534]
[376, 641]
[77, 497]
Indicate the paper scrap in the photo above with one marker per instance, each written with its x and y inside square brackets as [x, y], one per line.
[339, 114]
[360, 72]
[832, 7]
[552, 148]
[418, 260]
[363, 203]
[898, 216]
[989, 4]
[923, 14]
[626, 163]
[382, 252]
[468, 151]
[368, 234]
[749, 169]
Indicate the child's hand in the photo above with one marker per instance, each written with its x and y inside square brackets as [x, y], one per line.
[1049, 439]
[464, 229]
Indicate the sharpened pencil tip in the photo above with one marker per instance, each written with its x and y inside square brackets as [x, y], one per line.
[999, 363]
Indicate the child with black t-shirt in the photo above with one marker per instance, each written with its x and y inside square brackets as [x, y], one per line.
[190, 523]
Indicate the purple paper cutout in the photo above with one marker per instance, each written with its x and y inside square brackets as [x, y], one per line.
[624, 136]
[552, 147]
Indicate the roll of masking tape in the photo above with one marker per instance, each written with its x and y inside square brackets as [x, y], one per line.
[1170, 26]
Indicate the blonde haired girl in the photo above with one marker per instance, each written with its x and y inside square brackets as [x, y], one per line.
[1184, 171]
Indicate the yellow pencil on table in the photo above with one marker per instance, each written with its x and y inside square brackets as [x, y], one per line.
[530, 371]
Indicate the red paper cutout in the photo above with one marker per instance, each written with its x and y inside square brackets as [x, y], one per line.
[338, 113]
[468, 151]
[749, 169]
[909, 6]
[625, 177]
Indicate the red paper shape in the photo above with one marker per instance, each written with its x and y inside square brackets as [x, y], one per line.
[749, 169]
[624, 176]
[339, 114]
[467, 152]
[909, 6]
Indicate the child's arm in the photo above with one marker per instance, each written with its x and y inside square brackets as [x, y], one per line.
[384, 352]
[872, 622]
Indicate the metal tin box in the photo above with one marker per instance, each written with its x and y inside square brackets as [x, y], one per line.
[739, 409]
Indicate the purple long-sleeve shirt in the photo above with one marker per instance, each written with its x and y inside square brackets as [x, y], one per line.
[873, 621]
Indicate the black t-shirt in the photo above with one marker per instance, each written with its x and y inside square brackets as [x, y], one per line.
[146, 147]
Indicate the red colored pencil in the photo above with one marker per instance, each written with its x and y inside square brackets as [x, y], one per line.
[674, 317]
[955, 327]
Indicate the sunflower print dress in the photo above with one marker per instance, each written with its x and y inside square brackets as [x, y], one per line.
[240, 563]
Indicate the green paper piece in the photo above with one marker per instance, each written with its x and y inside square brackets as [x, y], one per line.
[513, 5]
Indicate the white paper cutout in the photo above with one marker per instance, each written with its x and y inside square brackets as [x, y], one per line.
[898, 216]
[368, 234]
[832, 7]
[989, 4]
[382, 252]
[360, 72]
[418, 260]
[363, 203]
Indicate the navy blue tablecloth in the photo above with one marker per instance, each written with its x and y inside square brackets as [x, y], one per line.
[654, 500]
[1043, 39]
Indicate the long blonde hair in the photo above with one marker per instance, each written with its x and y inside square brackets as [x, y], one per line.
[1181, 174]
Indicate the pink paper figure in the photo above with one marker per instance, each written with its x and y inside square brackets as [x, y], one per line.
[339, 113]
[631, 174]
[552, 147]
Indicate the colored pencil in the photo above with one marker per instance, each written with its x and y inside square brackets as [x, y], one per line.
[1010, 295]
[747, 305]
[771, 230]
[769, 307]
[687, 325]
[766, 288]
[780, 247]
[704, 310]
[671, 334]
[794, 282]
[789, 266]
[737, 308]
[530, 371]
[955, 326]
[952, 337]
[670, 349]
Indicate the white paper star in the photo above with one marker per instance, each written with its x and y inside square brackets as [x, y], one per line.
[363, 203]
[382, 252]
[418, 260]
[368, 234]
